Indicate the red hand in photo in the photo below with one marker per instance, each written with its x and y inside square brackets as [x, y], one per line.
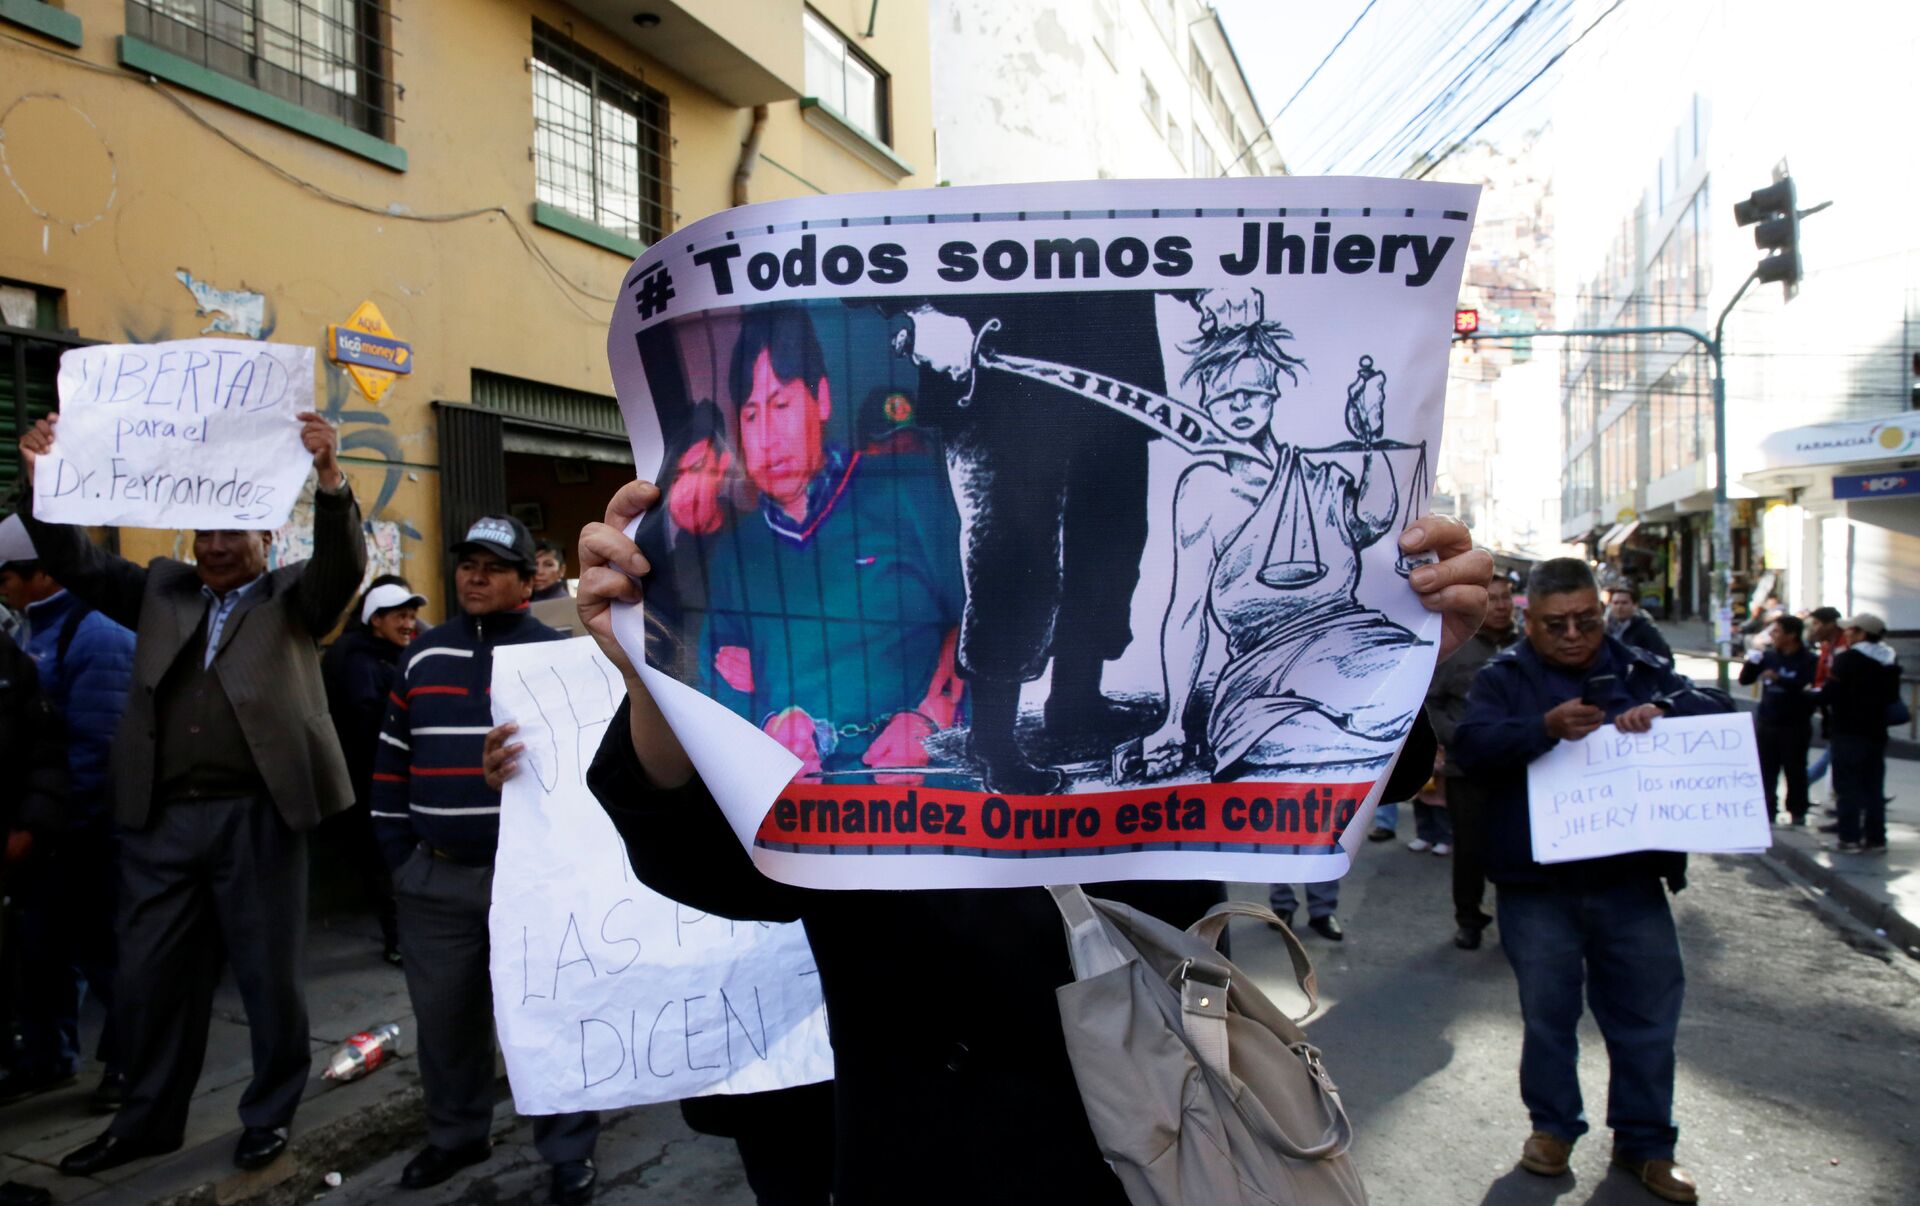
[794, 729]
[734, 665]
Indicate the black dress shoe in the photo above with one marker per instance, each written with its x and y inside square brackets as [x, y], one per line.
[1467, 937]
[1286, 918]
[259, 1146]
[1328, 927]
[572, 1183]
[435, 1164]
[13, 1193]
[110, 1094]
[110, 1151]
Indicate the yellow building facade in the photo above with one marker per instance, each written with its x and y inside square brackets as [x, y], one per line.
[482, 171]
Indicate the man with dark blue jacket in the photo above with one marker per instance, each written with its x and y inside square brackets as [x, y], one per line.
[66, 893]
[1783, 723]
[436, 812]
[1601, 922]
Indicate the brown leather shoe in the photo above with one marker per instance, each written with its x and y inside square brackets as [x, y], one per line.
[1545, 1155]
[1663, 1178]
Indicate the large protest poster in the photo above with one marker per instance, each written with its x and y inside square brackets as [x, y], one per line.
[1691, 784]
[196, 433]
[1048, 533]
[607, 994]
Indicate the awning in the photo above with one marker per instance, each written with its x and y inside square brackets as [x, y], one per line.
[1849, 442]
[1606, 538]
[1611, 543]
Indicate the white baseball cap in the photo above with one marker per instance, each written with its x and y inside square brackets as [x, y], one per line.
[386, 597]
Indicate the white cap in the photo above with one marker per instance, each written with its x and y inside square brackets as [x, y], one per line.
[390, 595]
[15, 544]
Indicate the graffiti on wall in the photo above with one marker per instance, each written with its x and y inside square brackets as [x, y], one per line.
[230, 311]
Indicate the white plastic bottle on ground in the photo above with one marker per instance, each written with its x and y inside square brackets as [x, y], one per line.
[363, 1053]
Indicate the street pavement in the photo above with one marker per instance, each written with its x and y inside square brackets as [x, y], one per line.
[1799, 1051]
[1799, 1067]
[1799, 1060]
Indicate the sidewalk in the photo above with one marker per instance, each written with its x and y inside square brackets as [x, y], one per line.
[1882, 890]
[349, 989]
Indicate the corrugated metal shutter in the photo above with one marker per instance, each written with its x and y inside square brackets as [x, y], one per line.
[29, 366]
[473, 474]
[550, 405]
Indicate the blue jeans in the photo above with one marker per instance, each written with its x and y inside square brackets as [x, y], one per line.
[1620, 943]
[1386, 816]
[1322, 899]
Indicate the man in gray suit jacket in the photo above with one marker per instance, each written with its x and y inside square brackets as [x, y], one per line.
[225, 759]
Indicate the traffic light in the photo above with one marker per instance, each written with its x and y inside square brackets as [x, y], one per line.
[1466, 322]
[1777, 213]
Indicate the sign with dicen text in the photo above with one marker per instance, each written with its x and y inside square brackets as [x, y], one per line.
[605, 993]
[1692, 784]
[196, 433]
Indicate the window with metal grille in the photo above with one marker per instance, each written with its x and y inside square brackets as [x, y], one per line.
[599, 140]
[844, 80]
[333, 57]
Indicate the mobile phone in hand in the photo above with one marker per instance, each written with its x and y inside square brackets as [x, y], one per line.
[1597, 690]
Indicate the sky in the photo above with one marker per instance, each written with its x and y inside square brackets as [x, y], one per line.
[1397, 59]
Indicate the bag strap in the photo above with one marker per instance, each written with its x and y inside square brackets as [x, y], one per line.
[1203, 988]
[68, 626]
[1209, 928]
[1088, 940]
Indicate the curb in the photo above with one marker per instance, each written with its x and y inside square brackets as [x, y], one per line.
[1876, 914]
[337, 1129]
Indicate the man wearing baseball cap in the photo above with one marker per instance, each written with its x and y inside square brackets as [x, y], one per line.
[1863, 685]
[437, 813]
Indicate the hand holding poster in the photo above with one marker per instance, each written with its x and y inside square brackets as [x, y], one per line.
[1049, 533]
[1691, 784]
[198, 433]
[607, 994]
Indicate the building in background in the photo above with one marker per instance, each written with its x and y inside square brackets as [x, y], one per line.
[483, 174]
[1091, 89]
[1668, 116]
[1499, 453]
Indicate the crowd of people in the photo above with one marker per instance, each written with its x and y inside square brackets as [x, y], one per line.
[187, 736]
[182, 734]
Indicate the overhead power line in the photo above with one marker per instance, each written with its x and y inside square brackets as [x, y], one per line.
[1248, 149]
[1462, 141]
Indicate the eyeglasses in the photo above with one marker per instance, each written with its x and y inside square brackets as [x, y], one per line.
[1585, 623]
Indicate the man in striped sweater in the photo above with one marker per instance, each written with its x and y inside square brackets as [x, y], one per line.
[436, 811]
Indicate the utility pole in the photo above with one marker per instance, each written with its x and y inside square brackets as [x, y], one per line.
[1722, 509]
[1776, 219]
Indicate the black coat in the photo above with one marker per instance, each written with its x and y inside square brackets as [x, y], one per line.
[1859, 689]
[358, 670]
[1642, 633]
[952, 1083]
[33, 747]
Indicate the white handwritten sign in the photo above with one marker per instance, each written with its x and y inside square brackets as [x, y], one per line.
[1691, 784]
[607, 994]
[198, 433]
